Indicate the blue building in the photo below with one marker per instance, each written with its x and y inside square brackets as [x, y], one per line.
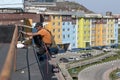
[116, 32]
[68, 32]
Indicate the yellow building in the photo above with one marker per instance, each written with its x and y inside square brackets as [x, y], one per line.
[54, 24]
[83, 34]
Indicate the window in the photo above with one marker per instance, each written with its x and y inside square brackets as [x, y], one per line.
[73, 44]
[84, 37]
[84, 32]
[63, 29]
[64, 17]
[73, 38]
[68, 35]
[58, 17]
[53, 30]
[53, 36]
[68, 23]
[73, 26]
[63, 23]
[46, 17]
[58, 36]
[58, 30]
[93, 26]
[53, 17]
[53, 23]
[68, 29]
[58, 23]
[63, 36]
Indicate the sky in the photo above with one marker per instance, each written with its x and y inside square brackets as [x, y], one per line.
[11, 3]
[101, 6]
[97, 6]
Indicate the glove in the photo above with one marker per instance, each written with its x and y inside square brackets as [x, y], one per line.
[23, 32]
[27, 38]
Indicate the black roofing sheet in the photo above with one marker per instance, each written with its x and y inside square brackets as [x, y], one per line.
[6, 33]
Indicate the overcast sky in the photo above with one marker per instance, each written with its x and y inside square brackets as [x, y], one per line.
[101, 6]
[11, 3]
[97, 6]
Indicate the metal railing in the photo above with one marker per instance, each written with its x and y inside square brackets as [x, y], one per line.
[11, 58]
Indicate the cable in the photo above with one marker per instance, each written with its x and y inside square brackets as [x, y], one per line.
[29, 78]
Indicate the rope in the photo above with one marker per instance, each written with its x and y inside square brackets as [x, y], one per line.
[48, 56]
[42, 74]
[47, 53]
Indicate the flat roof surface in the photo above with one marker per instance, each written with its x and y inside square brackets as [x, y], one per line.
[27, 65]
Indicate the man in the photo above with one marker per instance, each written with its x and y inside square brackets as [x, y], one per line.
[42, 38]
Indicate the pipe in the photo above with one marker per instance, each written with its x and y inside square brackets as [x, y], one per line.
[6, 70]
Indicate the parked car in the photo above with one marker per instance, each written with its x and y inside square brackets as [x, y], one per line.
[71, 59]
[97, 47]
[86, 55]
[61, 51]
[107, 49]
[83, 56]
[89, 55]
[63, 60]
[75, 50]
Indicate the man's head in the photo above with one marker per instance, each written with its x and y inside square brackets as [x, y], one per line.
[38, 25]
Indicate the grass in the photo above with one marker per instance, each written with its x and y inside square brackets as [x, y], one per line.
[113, 75]
[119, 36]
[75, 71]
[88, 58]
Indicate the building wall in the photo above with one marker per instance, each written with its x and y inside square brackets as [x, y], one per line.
[83, 33]
[17, 18]
[104, 32]
[80, 33]
[87, 32]
[93, 32]
[68, 33]
[110, 30]
[54, 25]
[98, 34]
[116, 31]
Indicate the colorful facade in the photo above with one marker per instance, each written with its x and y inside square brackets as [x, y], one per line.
[68, 31]
[112, 31]
[98, 32]
[54, 24]
[83, 32]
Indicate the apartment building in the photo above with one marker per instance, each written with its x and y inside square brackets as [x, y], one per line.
[97, 31]
[63, 27]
